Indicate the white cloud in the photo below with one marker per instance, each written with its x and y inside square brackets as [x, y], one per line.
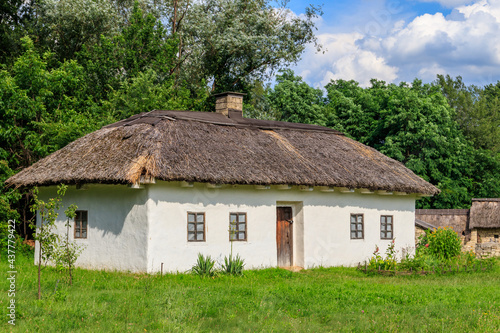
[466, 43]
[450, 3]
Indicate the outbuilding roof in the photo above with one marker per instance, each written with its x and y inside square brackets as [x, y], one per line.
[485, 213]
[215, 148]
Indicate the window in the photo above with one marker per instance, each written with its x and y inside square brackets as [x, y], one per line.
[357, 226]
[81, 224]
[196, 227]
[386, 227]
[238, 227]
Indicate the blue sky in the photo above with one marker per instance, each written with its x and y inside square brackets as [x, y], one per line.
[396, 41]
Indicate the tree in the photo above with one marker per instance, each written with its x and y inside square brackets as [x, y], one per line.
[295, 101]
[67, 252]
[45, 234]
[14, 18]
[142, 46]
[415, 125]
[230, 44]
[477, 110]
[64, 26]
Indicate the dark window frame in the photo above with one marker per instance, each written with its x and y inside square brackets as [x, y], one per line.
[238, 222]
[81, 218]
[356, 223]
[385, 231]
[195, 232]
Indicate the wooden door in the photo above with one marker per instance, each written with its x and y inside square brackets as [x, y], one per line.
[284, 236]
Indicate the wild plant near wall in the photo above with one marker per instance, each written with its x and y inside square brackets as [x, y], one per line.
[442, 243]
[389, 263]
[233, 265]
[204, 266]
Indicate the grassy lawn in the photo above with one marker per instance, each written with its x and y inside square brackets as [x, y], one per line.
[269, 300]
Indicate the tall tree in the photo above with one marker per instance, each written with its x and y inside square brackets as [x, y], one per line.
[477, 110]
[294, 100]
[231, 43]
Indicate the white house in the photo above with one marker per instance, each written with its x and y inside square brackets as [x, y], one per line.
[160, 187]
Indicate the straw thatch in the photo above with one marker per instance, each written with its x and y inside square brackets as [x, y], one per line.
[485, 213]
[210, 147]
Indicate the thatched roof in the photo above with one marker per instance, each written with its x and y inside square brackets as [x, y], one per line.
[485, 213]
[213, 148]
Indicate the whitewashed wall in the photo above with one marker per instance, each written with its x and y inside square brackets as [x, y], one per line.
[117, 222]
[321, 228]
[139, 229]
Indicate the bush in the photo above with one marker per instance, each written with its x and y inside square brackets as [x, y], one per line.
[204, 266]
[442, 243]
[233, 265]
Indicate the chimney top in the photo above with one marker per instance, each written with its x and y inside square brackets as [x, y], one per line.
[229, 101]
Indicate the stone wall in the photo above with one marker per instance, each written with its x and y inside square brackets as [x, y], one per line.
[418, 232]
[489, 249]
[458, 219]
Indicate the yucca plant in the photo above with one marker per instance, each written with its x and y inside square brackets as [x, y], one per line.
[204, 266]
[233, 265]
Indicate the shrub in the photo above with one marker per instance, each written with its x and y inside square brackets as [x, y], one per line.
[204, 266]
[233, 265]
[442, 243]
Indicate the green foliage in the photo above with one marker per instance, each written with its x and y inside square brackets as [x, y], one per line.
[389, 263]
[233, 265]
[295, 101]
[142, 45]
[415, 125]
[204, 267]
[271, 299]
[477, 110]
[64, 26]
[232, 43]
[15, 17]
[442, 243]
[46, 236]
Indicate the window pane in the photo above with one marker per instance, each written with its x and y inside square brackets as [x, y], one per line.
[241, 227]
[360, 226]
[241, 235]
[360, 218]
[353, 234]
[190, 235]
[353, 227]
[199, 227]
[353, 218]
[190, 217]
[84, 224]
[232, 236]
[190, 226]
[389, 227]
[77, 234]
[242, 218]
[360, 234]
[199, 218]
[233, 218]
[199, 236]
[389, 234]
[232, 227]
[389, 219]
[382, 234]
[383, 226]
[84, 234]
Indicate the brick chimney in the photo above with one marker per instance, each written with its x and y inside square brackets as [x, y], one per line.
[229, 101]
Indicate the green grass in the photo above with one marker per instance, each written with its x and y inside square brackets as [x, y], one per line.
[269, 300]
